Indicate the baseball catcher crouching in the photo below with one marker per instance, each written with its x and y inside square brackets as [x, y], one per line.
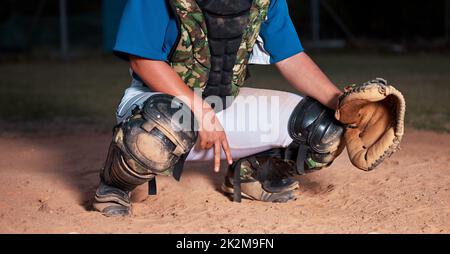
[190, 58]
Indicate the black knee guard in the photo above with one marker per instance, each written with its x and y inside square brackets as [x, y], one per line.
[316, 134]
[154, 140]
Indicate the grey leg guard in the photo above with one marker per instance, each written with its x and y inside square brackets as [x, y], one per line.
[152, 141]
[117, 180]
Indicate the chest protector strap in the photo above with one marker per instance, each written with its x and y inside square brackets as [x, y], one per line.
[215, 41]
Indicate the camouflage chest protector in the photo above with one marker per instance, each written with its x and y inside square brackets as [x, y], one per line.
[215, 41]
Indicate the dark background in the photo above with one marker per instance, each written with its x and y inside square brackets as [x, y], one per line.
[398, 25]
[43, 87]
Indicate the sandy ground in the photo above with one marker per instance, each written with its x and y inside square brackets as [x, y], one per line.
[46, 184]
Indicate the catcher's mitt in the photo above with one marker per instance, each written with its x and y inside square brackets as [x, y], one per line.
[373, 114]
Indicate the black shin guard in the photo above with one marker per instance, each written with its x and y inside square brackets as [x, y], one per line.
[316, 134]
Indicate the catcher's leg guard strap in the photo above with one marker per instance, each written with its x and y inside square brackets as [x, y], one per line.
[178, 168]
[237, 182]
[301, 158]
[152, 189]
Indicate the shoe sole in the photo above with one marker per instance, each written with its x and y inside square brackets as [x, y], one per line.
[230, 191]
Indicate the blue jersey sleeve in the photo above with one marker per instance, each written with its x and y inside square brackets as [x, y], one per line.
[278, 33]
[143, 30]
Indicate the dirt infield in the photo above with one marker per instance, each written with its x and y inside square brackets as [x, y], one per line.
[47, 183]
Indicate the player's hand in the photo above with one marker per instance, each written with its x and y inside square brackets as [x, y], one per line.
[211, 133]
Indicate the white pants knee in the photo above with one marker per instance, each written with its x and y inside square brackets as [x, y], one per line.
[256, 121]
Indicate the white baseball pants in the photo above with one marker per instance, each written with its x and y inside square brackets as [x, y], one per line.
[256, 121]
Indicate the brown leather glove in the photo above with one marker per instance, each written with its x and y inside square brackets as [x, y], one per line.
[373, 114]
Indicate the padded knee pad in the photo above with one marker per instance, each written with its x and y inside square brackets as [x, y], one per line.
[316, 133]
[154, 140]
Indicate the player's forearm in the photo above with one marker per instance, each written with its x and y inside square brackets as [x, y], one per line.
[160, 77]
[302, 73]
